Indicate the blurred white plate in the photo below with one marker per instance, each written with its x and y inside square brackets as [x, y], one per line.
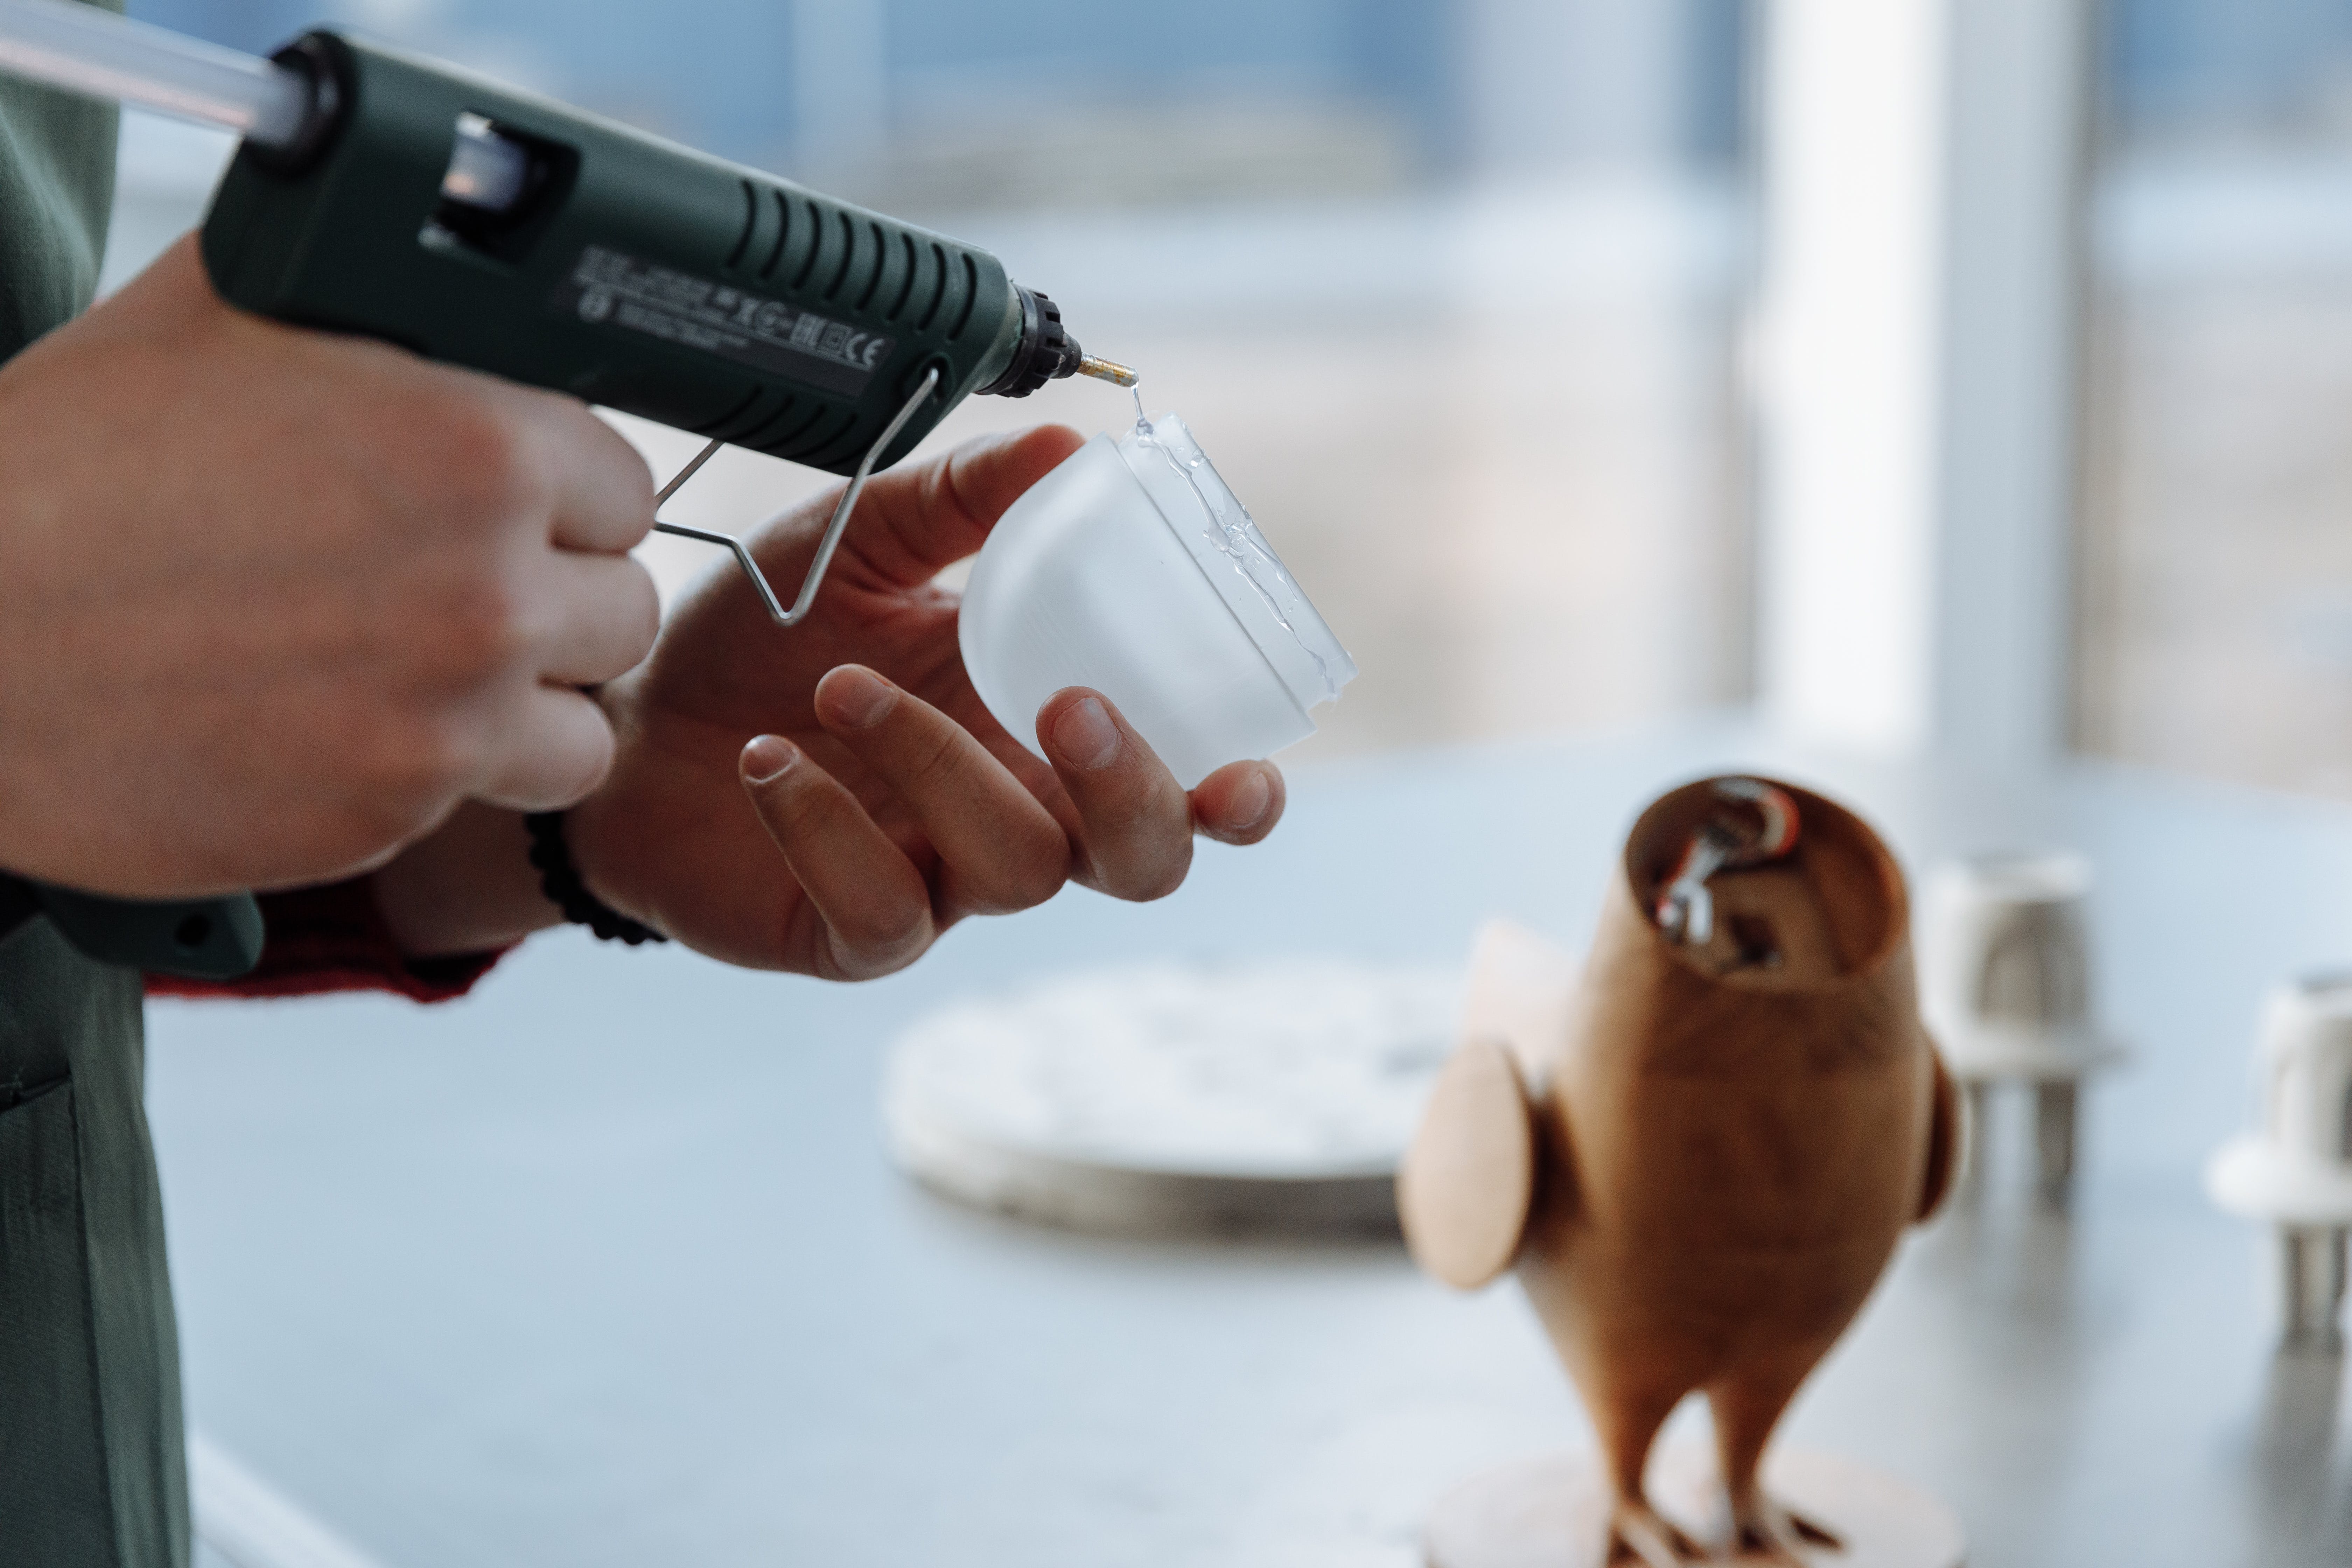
[1176, 1098]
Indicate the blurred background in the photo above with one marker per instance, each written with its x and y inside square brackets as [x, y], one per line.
[1455, 293]
[1965, 381]
[2216, 563]
[1448, 288]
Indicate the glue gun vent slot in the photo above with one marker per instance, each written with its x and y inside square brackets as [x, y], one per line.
[718, 426]
[761, 437]
[848, 255]
[787, 443]
[831, 445]
[784, 235]
[763, 413]
[907, 283]
[881, 265]
[970, 296]
[816, 246]
[751, 222]
[939, 287]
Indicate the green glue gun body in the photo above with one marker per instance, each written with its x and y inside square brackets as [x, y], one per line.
[486, 227]
[478, 225]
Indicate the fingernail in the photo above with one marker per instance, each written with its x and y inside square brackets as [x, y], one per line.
[1250, 802]
[857, 697]
[767, 757]
[1085, 735]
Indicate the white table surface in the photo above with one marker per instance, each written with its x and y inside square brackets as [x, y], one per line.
[603, 1264]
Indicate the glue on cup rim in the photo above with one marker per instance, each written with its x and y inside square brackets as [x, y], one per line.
[1134, 570]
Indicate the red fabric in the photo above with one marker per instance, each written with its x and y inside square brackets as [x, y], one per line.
[334, 939]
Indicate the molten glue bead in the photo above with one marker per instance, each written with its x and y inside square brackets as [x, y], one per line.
[1133, 569]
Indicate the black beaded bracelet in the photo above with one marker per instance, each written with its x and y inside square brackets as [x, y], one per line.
[559, 878]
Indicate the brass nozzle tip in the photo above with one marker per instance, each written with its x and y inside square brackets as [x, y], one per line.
[1109, 370]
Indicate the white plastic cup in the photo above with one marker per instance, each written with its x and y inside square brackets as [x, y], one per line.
[1133, 569]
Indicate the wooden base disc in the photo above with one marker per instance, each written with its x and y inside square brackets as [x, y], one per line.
[1553, 1512]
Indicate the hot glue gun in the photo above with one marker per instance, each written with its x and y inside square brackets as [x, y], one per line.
[383, 194]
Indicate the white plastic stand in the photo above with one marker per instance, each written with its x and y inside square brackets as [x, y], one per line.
[2296, 1171]
[2005, 985]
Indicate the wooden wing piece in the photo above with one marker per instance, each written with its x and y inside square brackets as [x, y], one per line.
[1947, 1142]
[1468, 1181]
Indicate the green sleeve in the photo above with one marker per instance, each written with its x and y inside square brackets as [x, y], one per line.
[91, 1473]
[57, 181]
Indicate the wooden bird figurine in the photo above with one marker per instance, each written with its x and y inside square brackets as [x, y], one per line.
[1700, 1152]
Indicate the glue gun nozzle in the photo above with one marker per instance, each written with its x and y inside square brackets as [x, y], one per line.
[1109, 370]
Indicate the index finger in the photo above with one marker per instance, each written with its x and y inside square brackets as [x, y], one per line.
[914, 521]
[604, 492]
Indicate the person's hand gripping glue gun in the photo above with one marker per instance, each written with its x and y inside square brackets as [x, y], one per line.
[382, 193]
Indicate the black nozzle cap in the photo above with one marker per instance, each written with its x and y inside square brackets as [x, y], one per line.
[1045, 352]
[324, 61]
